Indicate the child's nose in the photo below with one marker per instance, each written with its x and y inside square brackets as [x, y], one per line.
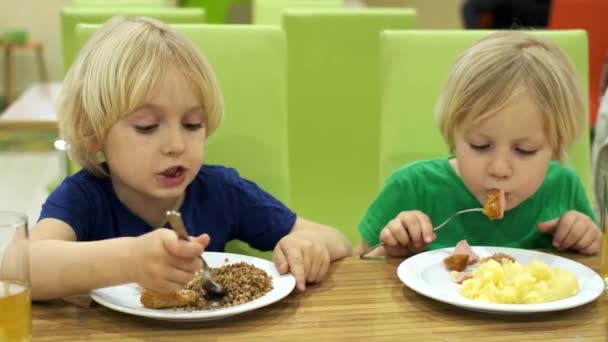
[500, 168]
[174, 142]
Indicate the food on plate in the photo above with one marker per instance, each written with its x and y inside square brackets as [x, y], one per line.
[495, 204]
[501, 258]
[458, 277]
[243, 281]
[462, 247]
[462, 256]
[156, 300]
[510, 282]
[456, 262]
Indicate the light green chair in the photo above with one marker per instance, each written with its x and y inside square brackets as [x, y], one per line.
[270, 12]
[333, 108]
[119, 3]
[71, 16]
[250, 63]
[415, 64]
[217, 10]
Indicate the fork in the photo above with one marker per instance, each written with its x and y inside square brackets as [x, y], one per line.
[434, 229]
[176, 222]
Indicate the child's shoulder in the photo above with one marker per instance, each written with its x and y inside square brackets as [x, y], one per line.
[85, 178]
[83, 185]
[219, 174]
[560, 173]
[218, 171]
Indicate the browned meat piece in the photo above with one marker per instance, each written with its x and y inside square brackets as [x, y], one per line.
[456, 262]
[156, 300]
[495, 205]
[462, 247]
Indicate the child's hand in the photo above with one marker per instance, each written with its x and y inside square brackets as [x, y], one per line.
[573, 230]
[164, 263]
[308, 261]
[408, 233]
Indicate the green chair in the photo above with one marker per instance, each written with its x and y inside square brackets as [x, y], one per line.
[70, 16]
[412, 81]
[119, 3]
[270, 12]
[250, 63]
[216, 10]
[333, 108]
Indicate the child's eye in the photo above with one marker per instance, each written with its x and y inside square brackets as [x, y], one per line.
[525, 152]
[193, 126]
[146, 129]
[480, 147]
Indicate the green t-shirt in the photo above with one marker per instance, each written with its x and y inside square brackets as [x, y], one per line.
[435, 189]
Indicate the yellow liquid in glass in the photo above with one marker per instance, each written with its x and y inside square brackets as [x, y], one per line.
[604, 258]
[15, 312]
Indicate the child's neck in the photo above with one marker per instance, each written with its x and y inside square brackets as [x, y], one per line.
[151, 210]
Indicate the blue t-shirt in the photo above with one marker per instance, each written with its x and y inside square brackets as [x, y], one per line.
[218, 202]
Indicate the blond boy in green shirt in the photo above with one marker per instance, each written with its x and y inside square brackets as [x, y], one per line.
[511, 106]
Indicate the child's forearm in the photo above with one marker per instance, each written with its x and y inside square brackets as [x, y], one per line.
[61, 268]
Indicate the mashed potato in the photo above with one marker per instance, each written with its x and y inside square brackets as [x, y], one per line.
[514, 283]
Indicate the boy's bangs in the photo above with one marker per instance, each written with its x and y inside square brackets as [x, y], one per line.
[488, 99]
[142, 75]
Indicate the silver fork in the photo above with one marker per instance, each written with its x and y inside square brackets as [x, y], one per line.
[212, 287]
[434, 229]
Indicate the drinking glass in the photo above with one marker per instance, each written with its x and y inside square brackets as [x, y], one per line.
[603, 226]
[15, 300]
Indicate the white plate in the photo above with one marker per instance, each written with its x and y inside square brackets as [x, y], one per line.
[426, 274]
[125, 298]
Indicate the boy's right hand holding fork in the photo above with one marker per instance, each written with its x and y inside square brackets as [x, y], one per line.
[407, 234]
[163, 262]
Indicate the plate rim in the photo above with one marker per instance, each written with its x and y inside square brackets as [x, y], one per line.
[200, 315]
[596, 285]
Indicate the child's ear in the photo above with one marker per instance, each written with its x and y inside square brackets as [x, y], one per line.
[96, 147]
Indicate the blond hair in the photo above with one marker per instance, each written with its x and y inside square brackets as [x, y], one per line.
[117, 71]
[500, 67]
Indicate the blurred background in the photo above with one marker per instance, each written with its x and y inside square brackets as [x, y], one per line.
[41, 20]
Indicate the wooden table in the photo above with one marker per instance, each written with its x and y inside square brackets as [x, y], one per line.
[33, 110]
[360, 300]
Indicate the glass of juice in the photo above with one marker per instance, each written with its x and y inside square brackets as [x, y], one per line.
[15, 301]
[603, 226]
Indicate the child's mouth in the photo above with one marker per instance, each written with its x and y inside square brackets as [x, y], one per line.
[173, 176]
[173, 172]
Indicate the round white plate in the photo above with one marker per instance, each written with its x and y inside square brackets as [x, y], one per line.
[426, 274]
[125, 298]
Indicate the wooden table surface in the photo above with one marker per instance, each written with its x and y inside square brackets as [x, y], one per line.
[360, 300]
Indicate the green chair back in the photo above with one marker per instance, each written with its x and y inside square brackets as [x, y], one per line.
[216, 10]
[119, 3]
[415, 65]
[333, 107]
[270, 12]
[250, 63]
[71, 16]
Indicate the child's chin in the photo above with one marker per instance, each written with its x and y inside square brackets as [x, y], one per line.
[168, 193]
